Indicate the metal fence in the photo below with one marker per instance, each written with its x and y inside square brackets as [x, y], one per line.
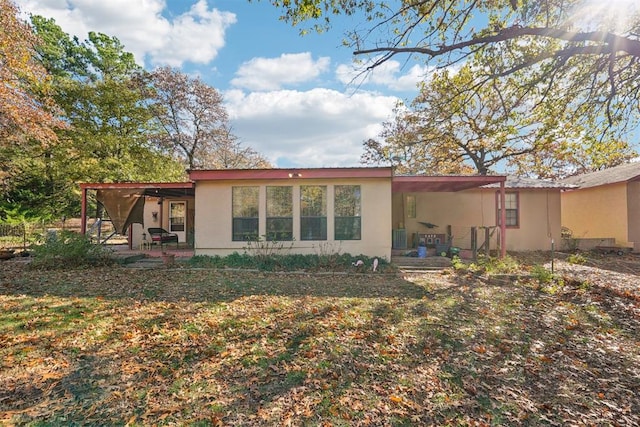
[16, 236]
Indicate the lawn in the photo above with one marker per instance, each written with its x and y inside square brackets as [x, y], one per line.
[118, 346]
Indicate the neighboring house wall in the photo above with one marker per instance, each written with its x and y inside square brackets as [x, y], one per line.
[213, 217]
[633, 213]
[538, 216]
[598, 212]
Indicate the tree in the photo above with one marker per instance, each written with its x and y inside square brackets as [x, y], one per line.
[194, 124]
[450, 129]
[26, 110]
[101, 94]
[229, 153]
[579, 58]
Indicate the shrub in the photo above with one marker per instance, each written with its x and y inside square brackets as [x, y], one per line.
[542, 274]
[291, 262]
[576, 259]
[506, 265]
[67, 249]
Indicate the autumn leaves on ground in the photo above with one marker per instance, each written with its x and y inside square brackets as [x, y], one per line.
[117, 346]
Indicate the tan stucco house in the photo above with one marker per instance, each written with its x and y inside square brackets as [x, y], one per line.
[604, 205]
[352, 210]
[467, 212]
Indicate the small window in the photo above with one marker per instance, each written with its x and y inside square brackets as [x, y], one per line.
[313, 212]
[279, 213]
[348, 220]
[512, 209]
[245, 213]
[411, 206]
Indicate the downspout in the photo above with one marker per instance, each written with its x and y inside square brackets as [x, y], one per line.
[503, 221]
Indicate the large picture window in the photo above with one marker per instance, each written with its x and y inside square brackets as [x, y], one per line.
[512, 209]
[313, 212]
[245, 213]
[279, 213]
[348, 220]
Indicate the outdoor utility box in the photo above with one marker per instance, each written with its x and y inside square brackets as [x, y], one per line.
[399, 239]
[431, 240]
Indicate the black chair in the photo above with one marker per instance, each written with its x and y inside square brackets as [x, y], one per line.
[160, 235]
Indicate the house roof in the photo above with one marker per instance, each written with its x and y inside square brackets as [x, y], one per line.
[624, 173]
[289, 173]
[157, 189]
[442, 183]
[520, 182]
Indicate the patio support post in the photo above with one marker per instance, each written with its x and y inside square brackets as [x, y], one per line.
[83, 212]
[503, 221]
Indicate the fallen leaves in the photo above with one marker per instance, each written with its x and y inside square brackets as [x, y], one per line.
[106, 346]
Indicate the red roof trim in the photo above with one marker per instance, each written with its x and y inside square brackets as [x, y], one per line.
[443, 183]
[289, 173]
[136, 185]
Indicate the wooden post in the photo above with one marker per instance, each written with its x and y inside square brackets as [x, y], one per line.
[83, 212]
[474, 243]
[487, 241]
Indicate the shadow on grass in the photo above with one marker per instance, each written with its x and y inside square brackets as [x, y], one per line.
[116, 346]
[198, 285]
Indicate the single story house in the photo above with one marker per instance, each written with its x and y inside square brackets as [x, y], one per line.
[363, 210]
[604, 205]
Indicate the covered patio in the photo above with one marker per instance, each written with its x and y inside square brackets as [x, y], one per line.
[407, 188]
[127, 208]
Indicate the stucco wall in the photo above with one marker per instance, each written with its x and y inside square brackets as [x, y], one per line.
[540, 221]
[162, 220]
[539, 216]
[633, 214]
[597, 212]
[213, 217]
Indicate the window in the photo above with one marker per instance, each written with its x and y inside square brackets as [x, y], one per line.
[348, 221]
[511, 209]
[245, 213]
[411, 206]
[176, 216]
[279, 213]
[313, 212]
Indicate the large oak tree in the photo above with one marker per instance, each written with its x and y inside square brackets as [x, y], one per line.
[577, 58]
[195, 125]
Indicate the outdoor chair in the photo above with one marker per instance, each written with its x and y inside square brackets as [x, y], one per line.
[161, 236]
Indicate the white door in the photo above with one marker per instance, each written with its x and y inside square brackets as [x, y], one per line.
[177, 219]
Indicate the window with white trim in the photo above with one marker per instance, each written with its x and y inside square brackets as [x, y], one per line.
[512, 209]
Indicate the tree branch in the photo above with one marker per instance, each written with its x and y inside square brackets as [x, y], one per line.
[606, 42]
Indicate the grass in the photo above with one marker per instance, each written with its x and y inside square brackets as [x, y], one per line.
[115, 346]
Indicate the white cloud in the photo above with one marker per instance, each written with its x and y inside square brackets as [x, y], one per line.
[319, 127]
[388, 74]
[272, 73]
[195, 36]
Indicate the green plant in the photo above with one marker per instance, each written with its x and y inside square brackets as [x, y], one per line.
[541, 274]
[457, 264]
[290, 262]
[505, 265]
[576, 259]
[67, 249]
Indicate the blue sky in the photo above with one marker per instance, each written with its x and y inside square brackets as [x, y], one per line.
[289, 97]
